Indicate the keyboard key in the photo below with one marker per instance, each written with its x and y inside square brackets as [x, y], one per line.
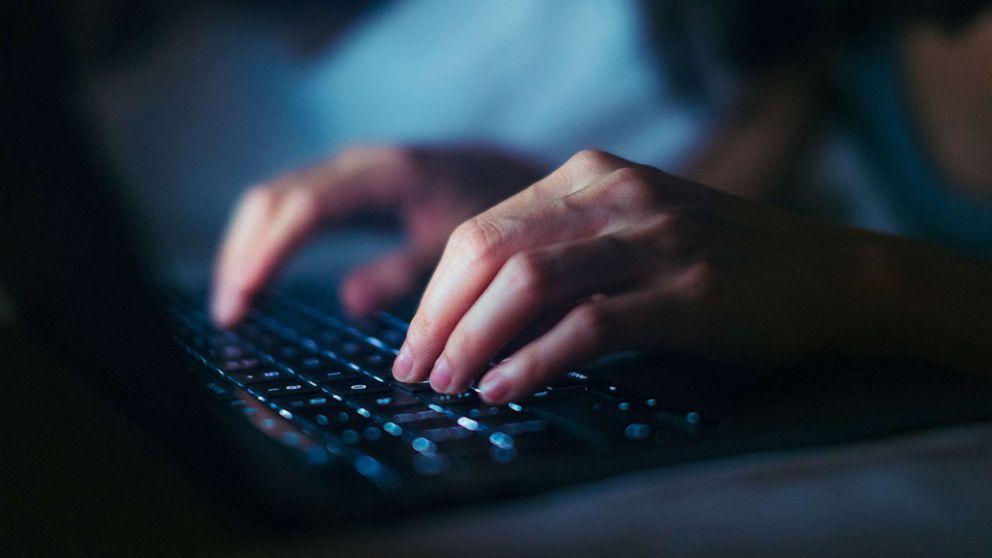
[285, 352]
[610, 391]
[418, 387]
[333, 417]
[446, 433]
[242, 364]
[446, 399]
[350, 350]
[324, 337]
[376, 363]
[542, 395]
[392, 337]
[310, 362]
[420, 415]
[228, 352]
[352, 387]
[480, 411]
[395, 399]
[282, 387]
[572, 379]
[221, 390]
[332, 374]
[309, 401]
[256, 375]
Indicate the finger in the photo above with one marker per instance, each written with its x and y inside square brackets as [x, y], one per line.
[543, 214]
[529, 283]
[267, 226]
[272, 221]
[375, 285]
[591, 330]
[475, 252]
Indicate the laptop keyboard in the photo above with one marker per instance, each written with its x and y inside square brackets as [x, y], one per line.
[331, 378]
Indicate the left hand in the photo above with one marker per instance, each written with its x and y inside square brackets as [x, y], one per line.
[633, 258]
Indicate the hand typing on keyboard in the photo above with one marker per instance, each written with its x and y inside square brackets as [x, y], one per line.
[428, 190]
[601, 255]
[623, 256]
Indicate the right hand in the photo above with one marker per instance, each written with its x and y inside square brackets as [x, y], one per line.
[430, 191]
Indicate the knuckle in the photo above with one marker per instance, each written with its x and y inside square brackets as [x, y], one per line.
[477, 239]
[671, 233]
[591, 160]
[462, 344]
[384, 156]
[530, 272]
[262, 195]
[351, 153]
[633, 187]
[593, 321]
[302, 202]
[528, 367]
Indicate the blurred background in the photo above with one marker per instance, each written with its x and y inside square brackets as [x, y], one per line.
[826, 108]
[217, 99]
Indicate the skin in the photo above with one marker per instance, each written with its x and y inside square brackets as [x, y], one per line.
[428, 191]
[634, 258]
[603, 255]
[949, 81]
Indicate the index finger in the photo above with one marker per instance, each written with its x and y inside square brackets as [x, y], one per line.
[476, 251]
[272, 221]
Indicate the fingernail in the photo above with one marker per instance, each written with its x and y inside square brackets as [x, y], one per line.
[494, 387]
[403, 364]
[441, 375]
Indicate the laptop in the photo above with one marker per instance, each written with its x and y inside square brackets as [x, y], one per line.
[293, 417]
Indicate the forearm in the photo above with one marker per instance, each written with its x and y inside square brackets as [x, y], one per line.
[920, 301]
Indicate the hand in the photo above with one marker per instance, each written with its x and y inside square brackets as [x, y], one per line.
[634, 258]
[428, 190]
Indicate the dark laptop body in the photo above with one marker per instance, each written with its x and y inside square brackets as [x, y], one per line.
[73, 264]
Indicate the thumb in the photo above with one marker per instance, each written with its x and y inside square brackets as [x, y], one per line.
[375, 285]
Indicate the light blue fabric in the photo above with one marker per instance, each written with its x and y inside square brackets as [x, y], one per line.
[924, 199]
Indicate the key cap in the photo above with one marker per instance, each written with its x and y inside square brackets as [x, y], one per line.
[349, 388]
[309, 401]
[376, 363]
[242, 364]
[572, 379]
[282, 387]
[350, 350]
[285, 352]
[334, 416]
[412, 416]
[445, 398]
[419, 387]
[256, 375]
[480, 411]
[386, 401]
[221, 390]
[332, 374]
